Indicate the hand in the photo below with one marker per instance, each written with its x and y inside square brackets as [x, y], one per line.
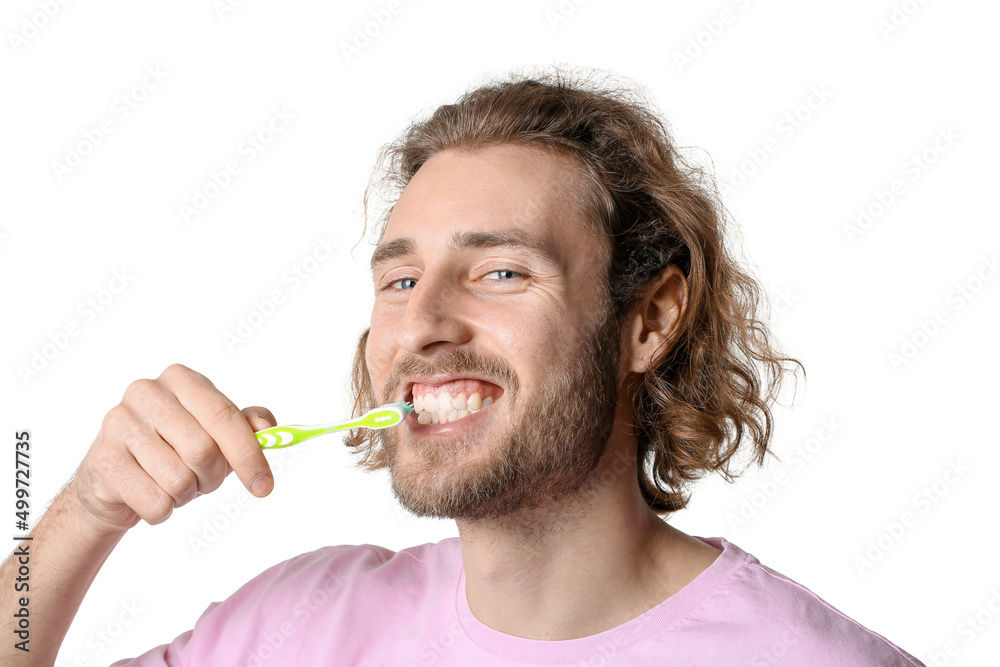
[169, 440]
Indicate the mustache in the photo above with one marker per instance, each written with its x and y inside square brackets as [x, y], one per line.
[451, 362]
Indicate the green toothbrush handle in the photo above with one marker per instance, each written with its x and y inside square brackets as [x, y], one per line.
[278, 437]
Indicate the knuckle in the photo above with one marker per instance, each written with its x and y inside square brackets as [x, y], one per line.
[242, 459]
[175, 371]
[142, 390]
[200, 452]
[179, 375]
[223, 414]
[104, 464]
[118, 421]
[159, 508]
[159, 414]
[182, 486]
[211, 483]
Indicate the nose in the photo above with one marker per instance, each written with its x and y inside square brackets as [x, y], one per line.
[432, 318]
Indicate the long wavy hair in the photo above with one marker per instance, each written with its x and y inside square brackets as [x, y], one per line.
[709, 394]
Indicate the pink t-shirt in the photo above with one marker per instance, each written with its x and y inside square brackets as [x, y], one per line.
[367, 605]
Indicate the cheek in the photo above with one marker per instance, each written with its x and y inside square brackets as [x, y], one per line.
[539, 341]
[379, 338]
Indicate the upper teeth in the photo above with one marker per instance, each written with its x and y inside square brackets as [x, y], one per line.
[445, 408]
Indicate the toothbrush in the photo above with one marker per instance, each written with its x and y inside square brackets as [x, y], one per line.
[276, 437]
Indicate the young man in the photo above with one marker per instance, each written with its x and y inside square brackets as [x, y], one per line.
[553, 292]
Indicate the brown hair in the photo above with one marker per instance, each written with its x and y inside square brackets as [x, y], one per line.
[712, 389]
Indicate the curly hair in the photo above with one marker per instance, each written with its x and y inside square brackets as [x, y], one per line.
[711, 390]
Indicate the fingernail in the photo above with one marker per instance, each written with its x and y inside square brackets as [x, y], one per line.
[261, 485]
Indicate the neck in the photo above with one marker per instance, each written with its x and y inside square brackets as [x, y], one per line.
[581, 566]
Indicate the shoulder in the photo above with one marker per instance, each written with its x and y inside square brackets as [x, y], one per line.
[335, 589]
[334, 576]
[789, 618]
[338, 566]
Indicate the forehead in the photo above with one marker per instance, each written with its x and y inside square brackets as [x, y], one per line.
[502, 195]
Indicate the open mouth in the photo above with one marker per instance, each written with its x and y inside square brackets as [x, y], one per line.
[451, 401]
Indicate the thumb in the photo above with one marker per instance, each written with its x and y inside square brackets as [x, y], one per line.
[259, 418]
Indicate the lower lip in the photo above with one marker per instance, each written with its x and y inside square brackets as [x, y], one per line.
[451, 427]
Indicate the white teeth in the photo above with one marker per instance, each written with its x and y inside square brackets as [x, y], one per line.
[455, 415]
[431, 410]
[442, 417]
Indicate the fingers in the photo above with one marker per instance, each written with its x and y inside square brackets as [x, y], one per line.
[170, 444]
[144, 495]
[140, 494]
[167, 442]
[225, 424]
[165, 466]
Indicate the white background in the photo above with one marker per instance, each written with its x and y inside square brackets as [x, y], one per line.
[842, 304]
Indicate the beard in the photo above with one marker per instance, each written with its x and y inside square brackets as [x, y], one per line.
[551, 445]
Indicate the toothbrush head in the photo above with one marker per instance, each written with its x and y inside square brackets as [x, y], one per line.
[390, 414]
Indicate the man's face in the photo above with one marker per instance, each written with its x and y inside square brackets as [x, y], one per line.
[521, 334]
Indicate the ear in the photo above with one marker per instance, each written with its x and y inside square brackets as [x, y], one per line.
[652, 326]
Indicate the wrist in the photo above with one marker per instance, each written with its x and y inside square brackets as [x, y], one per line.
[79, 514]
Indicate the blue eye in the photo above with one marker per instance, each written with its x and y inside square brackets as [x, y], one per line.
[399, 281]
[504, 271]
[510, 272]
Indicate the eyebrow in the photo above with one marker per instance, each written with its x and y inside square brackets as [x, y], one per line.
[509, 238]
